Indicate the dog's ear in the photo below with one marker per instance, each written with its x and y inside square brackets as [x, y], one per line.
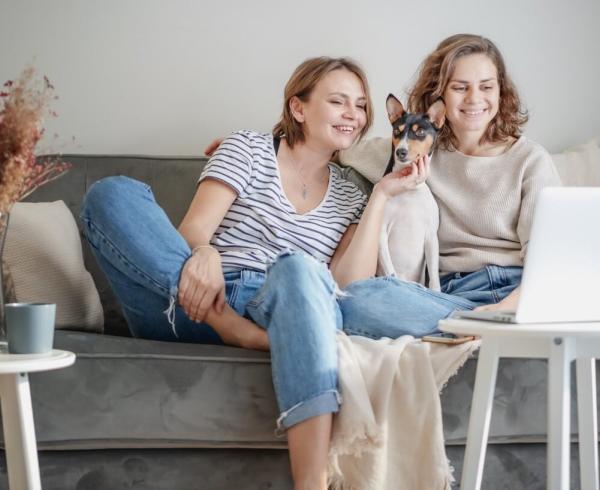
[437, 113]
[394, 108]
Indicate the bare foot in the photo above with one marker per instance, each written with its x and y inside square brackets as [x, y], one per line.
[236, 330]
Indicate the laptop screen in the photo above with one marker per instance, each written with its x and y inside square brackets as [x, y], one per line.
[561, 275]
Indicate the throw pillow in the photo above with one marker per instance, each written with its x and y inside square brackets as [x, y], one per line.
[369, 157]
[577, 166]
[8, 287]
[580, 165]
[43, 251]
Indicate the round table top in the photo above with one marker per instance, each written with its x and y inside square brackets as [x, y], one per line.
[29, 363]
[479, 327]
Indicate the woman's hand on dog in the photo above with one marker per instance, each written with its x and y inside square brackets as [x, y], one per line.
[406, 179]
[202, 285]
[212, 146]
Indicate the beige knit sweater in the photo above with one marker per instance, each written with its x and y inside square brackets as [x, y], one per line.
[486, 203]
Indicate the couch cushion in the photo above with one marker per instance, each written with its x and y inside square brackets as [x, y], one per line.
[577, 166]
[43, 251]
[173, 181]
[123, 392]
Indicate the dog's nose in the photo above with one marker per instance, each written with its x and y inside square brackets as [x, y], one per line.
[402, 153]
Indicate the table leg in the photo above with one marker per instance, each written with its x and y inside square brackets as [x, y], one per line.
[481, 412]
[559, 399]
[588, 423]
[19, 432]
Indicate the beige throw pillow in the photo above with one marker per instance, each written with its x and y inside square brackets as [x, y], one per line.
[580, 165]
[43, 251]
[8, 288]
[369, 157]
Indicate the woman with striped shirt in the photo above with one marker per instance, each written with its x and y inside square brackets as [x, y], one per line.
[263, 256]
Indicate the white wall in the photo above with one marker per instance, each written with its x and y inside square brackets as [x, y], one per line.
[164, 77]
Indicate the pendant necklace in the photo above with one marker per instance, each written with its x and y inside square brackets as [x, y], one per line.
[305, 189]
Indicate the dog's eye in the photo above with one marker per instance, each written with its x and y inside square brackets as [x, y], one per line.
[420, 132]
[397, 133]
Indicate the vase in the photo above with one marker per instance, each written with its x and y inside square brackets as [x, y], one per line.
[3, 229]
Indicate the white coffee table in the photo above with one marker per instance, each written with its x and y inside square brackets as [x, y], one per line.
[17, 414]
[560, 343]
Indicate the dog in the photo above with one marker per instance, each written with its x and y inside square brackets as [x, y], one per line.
[408, 245]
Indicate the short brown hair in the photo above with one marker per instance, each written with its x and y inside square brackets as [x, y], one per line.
[434, 75]
[301, 84]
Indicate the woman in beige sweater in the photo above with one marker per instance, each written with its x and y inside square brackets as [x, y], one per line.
[485, 177]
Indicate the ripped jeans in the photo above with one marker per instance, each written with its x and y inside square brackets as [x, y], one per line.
[296, 300]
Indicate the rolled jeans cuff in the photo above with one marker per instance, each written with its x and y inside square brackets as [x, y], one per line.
[327, 402]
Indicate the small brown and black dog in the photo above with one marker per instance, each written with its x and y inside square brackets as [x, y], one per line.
[408, 245]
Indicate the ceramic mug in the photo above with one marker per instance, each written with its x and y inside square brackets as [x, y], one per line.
[30, 327]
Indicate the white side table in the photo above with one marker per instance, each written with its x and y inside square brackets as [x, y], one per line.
[560, 343]
[17, 414]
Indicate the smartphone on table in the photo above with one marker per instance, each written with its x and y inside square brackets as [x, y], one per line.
[447, 338]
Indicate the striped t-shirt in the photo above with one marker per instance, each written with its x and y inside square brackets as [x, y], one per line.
[261, 223]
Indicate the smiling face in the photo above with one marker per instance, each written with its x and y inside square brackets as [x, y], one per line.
[472, 95]
[335, 112]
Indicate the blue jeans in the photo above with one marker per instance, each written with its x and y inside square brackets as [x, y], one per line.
[296, 300]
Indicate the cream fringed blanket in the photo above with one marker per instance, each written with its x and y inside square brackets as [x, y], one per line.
[388, 433]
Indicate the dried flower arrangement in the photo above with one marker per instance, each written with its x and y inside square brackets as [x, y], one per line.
[25, 102]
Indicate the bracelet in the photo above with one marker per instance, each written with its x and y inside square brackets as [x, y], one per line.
[198, 247]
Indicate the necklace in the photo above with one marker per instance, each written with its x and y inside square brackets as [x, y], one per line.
[305, 189]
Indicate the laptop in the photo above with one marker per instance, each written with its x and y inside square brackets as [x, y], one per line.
[561, 275]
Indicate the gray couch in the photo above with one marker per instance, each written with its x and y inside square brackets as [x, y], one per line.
[142, 414]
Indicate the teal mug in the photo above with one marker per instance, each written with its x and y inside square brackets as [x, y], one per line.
[30, 327]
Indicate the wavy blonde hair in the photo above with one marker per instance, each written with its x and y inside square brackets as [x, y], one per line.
[301, 84]
[434, 75]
